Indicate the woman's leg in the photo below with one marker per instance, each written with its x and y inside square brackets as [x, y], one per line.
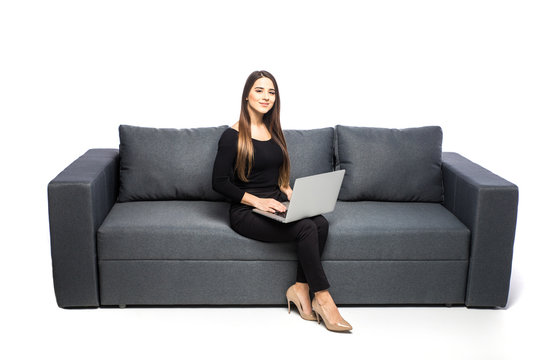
[311, 237]
[305, 232]
[322, 232]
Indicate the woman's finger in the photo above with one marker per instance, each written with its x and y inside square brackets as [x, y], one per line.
[279, 206]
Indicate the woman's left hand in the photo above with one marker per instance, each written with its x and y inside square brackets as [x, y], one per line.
[287, 191]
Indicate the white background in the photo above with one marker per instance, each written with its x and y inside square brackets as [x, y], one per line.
[72, 71]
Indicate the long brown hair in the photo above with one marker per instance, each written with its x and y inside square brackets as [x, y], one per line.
[244, 157]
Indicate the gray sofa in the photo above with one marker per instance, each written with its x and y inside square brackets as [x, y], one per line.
[142, 225]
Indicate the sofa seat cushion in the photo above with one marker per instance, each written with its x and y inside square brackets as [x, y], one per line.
[200, 230]
[370, 230]
[179, 230]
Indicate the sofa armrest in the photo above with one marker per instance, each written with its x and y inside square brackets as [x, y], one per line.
[487, 205]
[79, 199]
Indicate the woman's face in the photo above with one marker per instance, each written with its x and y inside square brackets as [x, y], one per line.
[262, 95]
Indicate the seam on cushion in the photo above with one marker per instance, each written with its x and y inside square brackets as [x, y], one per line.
[345, 260]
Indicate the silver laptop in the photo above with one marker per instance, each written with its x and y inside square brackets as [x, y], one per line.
[312, 195]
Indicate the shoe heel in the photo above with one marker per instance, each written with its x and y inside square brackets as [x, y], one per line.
[289, 305]
[317, 315]
[292, 296]
[339, 326]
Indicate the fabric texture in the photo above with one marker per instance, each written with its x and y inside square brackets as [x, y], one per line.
[310, 151]
[167, 164]
[487, 204]
[234, 282]
[390, 164]
[198, 230]
[80, 197]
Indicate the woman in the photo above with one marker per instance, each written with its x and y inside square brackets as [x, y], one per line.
[255, 152]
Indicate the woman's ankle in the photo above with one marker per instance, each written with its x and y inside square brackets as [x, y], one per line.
[323, 297]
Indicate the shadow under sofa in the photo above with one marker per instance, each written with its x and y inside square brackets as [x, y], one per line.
[182, 252]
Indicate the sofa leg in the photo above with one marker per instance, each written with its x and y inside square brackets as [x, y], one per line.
[448, 305]
[122, 306]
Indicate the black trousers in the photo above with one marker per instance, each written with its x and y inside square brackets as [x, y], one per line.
[310, 235]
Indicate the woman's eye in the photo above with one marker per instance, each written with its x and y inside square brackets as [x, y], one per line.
[272, 93]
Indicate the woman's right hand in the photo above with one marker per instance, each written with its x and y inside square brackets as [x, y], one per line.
[270, 205]
[264, 204]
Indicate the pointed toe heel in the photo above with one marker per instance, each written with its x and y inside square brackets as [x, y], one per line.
[293, 296]
[339, 326]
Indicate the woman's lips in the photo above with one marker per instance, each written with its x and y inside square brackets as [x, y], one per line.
[264, 104]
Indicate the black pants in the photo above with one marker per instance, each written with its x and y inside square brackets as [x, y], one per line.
[310, 235]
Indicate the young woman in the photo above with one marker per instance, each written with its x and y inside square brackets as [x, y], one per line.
[255, 152]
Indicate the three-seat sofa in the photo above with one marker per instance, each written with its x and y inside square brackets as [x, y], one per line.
[141, 224]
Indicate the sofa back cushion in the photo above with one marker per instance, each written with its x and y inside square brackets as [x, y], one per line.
[311, 151]
[390, 164]
[176, 164]
[167, 164]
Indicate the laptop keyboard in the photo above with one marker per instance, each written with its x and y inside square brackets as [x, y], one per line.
[281, 214]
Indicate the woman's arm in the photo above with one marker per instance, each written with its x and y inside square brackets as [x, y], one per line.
[221, 179]
[223, 165]
[287, 191]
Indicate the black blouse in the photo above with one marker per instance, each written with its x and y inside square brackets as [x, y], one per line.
[263, 179]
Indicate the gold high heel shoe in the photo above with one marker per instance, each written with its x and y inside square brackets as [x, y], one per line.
[293, 296]
[339, 326]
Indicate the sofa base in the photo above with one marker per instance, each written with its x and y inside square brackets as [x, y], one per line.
[215, 282]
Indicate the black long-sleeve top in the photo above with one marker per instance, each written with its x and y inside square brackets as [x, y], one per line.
[263, 179]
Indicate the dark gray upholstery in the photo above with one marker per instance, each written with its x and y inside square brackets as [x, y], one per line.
[367, 230]
[310, 151]
[376, 253]
[230, 282]
[167, 164]
[176, 164]
[390, 164]
[191, 230]
[487, 205]
[79, 199]
[177, 252]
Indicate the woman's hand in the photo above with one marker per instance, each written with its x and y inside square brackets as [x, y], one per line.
[265, 204]
[287, 191]
[270, 205]
[289, 194]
